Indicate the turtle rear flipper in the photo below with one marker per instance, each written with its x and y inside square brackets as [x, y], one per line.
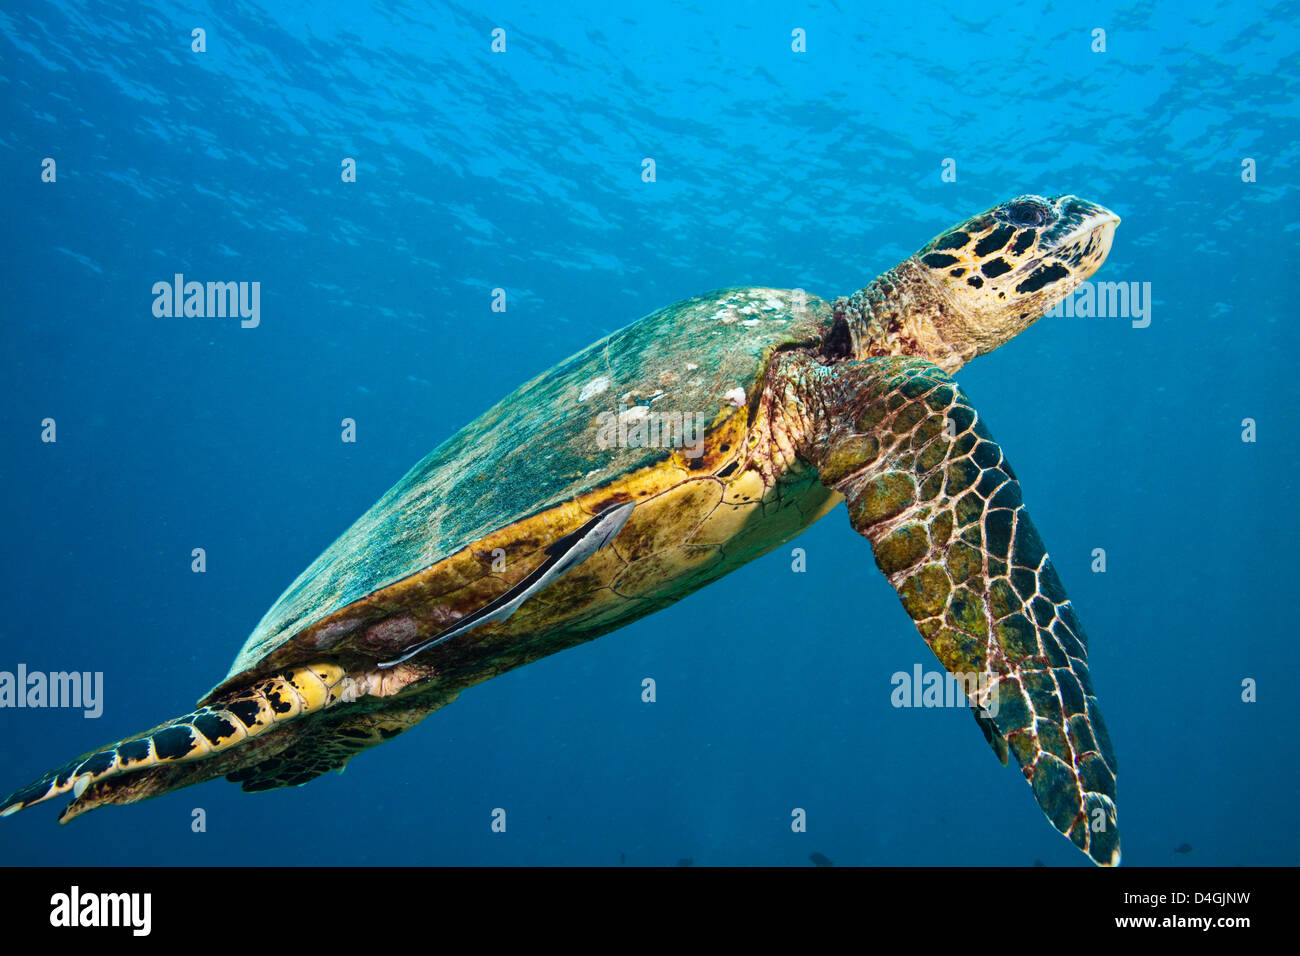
[293, 755]
[928, 486]
[332, 743]
[189, 749]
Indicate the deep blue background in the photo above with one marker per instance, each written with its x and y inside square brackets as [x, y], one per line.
[522, 171]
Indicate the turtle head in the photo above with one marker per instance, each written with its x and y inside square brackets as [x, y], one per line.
[996, 274]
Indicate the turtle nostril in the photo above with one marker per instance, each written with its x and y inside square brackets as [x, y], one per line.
[1027, 213]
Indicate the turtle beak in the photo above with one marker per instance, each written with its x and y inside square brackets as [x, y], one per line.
[1080, 237]
[1079, 219]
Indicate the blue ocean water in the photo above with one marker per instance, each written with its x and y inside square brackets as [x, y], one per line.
[522, 170]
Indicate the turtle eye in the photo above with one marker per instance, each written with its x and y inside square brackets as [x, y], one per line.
[1026, 213]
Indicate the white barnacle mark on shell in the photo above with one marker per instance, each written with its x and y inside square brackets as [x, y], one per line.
[691, 366]
[593, 388]
[750, 323]
[735, 397]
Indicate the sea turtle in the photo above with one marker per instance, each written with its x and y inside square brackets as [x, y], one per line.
[651, 464]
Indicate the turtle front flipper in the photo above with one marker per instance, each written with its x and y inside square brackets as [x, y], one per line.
[928, 486]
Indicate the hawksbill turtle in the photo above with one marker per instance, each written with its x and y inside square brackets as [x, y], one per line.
[654, 462]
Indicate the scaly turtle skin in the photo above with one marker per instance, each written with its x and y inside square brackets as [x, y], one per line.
[588, 499]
